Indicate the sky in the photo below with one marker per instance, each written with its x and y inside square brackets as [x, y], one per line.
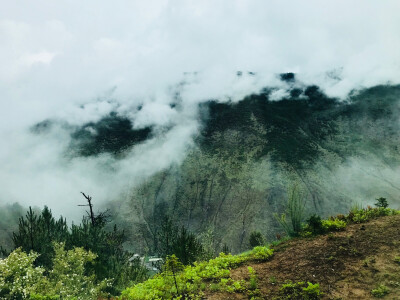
[76, 61]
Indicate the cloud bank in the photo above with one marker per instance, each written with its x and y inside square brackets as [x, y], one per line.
[77, 61]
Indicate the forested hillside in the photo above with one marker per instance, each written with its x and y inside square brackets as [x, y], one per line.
[249, 153]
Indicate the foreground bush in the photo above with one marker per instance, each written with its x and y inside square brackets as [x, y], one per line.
[192, 280]
[19, 279]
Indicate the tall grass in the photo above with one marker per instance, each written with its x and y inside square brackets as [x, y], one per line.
[294, 210]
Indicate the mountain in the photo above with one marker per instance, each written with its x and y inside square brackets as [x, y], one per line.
[250, 153]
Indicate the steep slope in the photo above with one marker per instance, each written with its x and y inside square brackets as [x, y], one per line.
[347, 265]
[250, 152]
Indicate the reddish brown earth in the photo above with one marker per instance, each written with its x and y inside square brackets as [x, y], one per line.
[347, 264]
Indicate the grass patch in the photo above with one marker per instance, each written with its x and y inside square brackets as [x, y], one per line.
[189, 283]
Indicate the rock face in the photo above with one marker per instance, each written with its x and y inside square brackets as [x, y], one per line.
[250, 153]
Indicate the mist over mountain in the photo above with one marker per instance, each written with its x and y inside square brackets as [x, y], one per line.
[201, 111]
[248, 153]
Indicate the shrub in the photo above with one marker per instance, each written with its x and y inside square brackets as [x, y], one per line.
[19, 279]
[380, 292]
[363, 215]
[190, 281]
[253, 279]
[172, 239]
[381, 202]
[314, 224]
[333, 225]
[299, 290]
[256, 239]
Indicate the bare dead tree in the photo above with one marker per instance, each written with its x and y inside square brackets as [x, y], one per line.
[90, 213]
[96, 219]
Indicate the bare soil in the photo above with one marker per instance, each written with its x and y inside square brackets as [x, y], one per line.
[347, 264]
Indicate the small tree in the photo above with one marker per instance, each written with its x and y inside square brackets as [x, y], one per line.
[179, 241]
[173, 265]
[37, 231]
[381, 202]
[186, 247]
[226, 249]
[315, 224]
[256, 239]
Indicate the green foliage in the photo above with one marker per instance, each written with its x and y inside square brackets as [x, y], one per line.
[314, 224]
[178, 241]
[186, 247]
[256, 239]
[191, 280]
[300, 290]
[363, 215]
[20, 279]
[18, 276]
[226, 249]
[253, 279]
[38, 231]
[67, 279]
[381, 202]
[397, 260]
[114, 135]
[333, 225]
[380, 292]
[317, 226]
[295, 211]
[174, 266]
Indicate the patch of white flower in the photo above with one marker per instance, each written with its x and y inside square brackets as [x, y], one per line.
[19, 278]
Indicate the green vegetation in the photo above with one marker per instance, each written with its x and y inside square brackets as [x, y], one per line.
[20, 279]
[300, 290]
[71, 271]
[381, 202]
[295, 210]
[380, 292]
[194, 279]
[314, 225]
[256, 239]
[333, 224]
[38, 231]
[178, 241]
[363, 215]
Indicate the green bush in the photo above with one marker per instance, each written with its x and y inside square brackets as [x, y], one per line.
[380, 292]
[363, 215]
[300, 290]
[256, 239]
[333, 225]
[191, 281]
[314, 224]
[19, 279]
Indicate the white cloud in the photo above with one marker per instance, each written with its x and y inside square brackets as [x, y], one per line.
[57, 56]
[43, 57]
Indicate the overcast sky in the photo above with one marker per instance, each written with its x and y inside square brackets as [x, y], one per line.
[56, 56]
